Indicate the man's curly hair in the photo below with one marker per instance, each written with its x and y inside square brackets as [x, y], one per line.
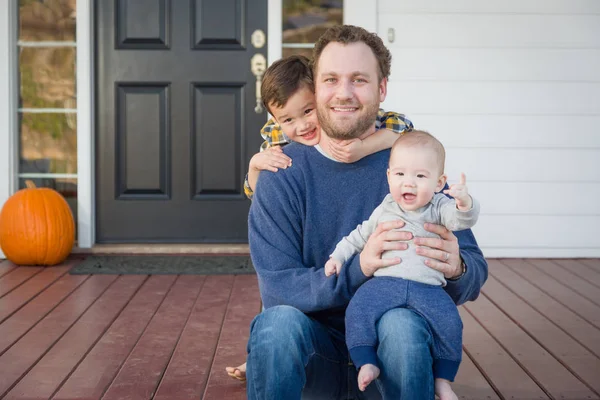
[346, 34]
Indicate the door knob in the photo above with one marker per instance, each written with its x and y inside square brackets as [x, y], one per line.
[258, 65]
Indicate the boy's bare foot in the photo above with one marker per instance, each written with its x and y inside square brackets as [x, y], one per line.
[444, 390]
[367, 374]
[238, 373]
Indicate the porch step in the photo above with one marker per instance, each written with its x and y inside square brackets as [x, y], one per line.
[167, 248]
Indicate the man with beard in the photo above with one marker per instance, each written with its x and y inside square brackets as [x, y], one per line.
[296, 347]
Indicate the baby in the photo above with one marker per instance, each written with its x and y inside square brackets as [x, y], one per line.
[415, 176]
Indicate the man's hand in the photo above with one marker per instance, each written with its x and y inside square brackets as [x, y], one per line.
[270, 159]
[333, 266]
[460, 192]
[443, 253]
[383, 239]
[347, 151]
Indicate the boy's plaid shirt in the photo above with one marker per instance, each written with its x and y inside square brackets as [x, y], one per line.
[274, 136]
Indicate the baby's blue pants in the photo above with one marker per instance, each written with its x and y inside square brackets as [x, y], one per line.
[381, 294]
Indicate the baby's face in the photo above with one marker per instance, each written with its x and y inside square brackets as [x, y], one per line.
[298, 118]
[414, 176]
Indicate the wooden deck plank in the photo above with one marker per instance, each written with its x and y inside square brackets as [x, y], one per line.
[501, 369]
[231, 350]
[19, 358]
[547, 371]
[470, 384]
[97, 370]
[580, 361]
[29, 315]
[561, 293]
[21, 295]
[581, 330]
[189, 369]
[6, 267]
[581, 270]
[52, 369]
[16, 277]
[527, 307]
[579, 285]
[140, 375]
[592, 263]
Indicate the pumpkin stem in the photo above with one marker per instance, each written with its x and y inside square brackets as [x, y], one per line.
[29, 183]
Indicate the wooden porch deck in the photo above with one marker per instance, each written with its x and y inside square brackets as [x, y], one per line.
[533, 334]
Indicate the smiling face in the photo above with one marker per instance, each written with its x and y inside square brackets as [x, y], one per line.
[348, 90]
[414, 176]
[298, 117]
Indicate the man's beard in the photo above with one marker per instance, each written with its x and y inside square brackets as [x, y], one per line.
[350, 128]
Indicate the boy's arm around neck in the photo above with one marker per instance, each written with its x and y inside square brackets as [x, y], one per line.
[390, 125]
[275, 230]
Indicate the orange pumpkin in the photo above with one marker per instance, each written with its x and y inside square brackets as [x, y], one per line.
[36, 227]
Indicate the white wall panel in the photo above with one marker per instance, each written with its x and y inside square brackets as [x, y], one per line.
[484, 97]
[490, 30]
[512, 88]
[524, 165]
[505, 6]
[536, 198]
[509, 131]
[546, 232]
[460, 64]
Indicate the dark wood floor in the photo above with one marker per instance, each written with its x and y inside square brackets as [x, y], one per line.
[533, 334]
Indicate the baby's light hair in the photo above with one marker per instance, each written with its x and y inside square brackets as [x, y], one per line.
[422, 139]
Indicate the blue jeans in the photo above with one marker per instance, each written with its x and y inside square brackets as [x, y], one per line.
[293, 357]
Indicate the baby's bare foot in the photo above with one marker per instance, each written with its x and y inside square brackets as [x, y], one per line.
[367, 374]
[444, 390]
[238, 373]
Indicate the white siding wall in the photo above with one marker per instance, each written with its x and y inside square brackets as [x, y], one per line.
[512, 88]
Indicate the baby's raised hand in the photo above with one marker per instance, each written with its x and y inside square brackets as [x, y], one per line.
[332, 266]
[460, 192]
[270, 159]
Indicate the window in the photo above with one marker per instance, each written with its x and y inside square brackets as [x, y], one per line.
[47, 104]
[305, 20]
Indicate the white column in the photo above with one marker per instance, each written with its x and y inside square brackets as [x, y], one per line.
[274, 30]
[361, 13]
[8, 98]
[85, 124]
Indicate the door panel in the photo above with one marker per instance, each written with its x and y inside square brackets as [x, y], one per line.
[216, 172]
[209, 30]
[142, 142]
[176, 124]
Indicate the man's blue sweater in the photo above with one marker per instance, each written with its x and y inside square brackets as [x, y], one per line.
[299, 214]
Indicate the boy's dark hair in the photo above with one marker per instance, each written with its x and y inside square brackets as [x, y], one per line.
[284, 78]
[347, 34]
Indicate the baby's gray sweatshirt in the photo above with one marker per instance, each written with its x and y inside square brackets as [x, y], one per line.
[440, 210]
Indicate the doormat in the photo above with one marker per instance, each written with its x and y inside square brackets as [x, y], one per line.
[165, 265]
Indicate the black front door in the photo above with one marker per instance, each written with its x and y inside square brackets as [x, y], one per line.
[176, 119]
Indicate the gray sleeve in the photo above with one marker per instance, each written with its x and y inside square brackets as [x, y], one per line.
[356, 240]
[455, 219]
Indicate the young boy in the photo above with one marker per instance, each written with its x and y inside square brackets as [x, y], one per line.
[415, 176]
[287, 92]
